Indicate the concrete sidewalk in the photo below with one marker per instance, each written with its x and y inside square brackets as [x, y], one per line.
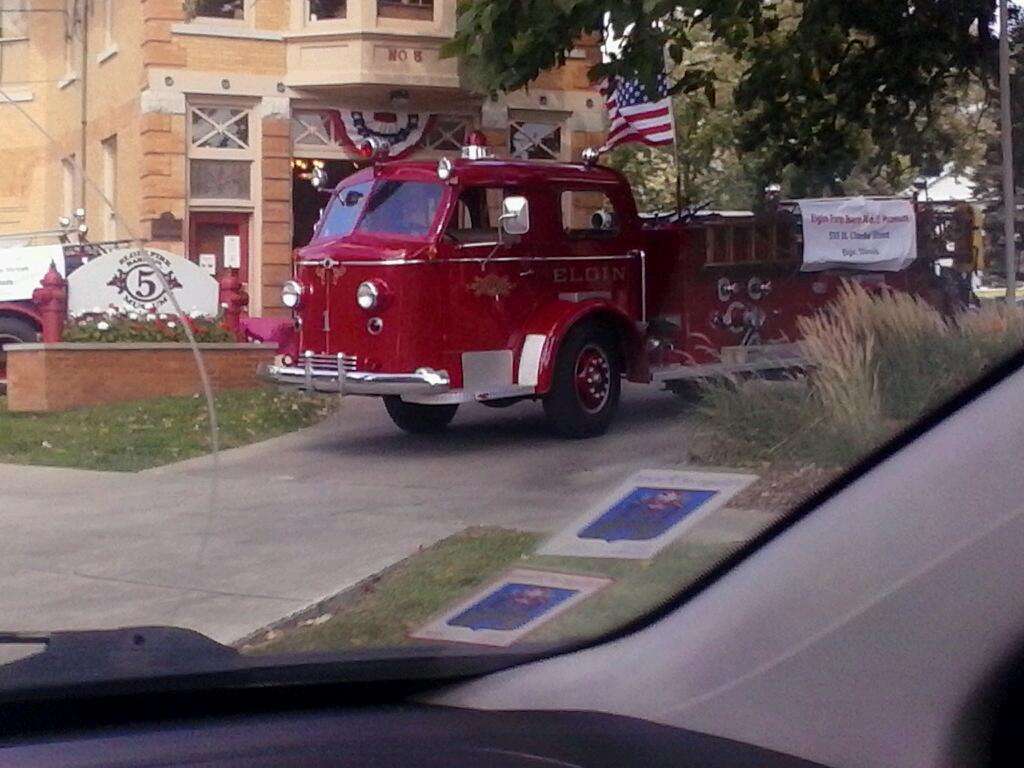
[228, 547]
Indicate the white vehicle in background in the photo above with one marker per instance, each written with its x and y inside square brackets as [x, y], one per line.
[24, 260]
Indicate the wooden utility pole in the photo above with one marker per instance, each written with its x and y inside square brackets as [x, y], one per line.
[1009, 204]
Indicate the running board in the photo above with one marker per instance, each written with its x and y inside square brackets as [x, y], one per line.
[464, 396]
[737, 360]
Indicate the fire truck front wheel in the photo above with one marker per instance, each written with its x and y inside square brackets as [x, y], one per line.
[419, 419]
[586, 384]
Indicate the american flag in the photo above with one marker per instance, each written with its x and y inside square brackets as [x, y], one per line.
[636, 116]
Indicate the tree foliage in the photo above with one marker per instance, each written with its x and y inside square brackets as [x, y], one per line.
[989, 176]
[711, 169]
[825, 90]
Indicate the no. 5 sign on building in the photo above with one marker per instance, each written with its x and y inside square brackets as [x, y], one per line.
[135, 279]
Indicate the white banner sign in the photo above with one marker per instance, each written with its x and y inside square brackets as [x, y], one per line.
[127, 279]
[858, 233]
[21, 269]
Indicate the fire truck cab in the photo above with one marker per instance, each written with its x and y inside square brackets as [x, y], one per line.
[434, 284]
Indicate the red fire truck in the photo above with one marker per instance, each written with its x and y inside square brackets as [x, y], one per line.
[435, 284]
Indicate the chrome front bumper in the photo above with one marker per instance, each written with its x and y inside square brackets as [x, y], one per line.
[314, 376]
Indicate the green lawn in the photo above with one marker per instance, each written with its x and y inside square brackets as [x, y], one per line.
[131, 436]
[385, 609]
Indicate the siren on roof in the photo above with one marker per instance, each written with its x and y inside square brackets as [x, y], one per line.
[476, 146]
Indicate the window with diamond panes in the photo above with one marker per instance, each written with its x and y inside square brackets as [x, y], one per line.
[535, 141]
[313, 130]
[447, 133]
[220, 128]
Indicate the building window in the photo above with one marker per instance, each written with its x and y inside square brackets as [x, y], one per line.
[68, 175]
[220, 180]
[220, 128]
[314, 130]
[108, 24]
[535, 141]
[320, 10]
[406, 9]
[109, 147]
[221, 154]
[447, 133]
[12, 19]
[71, 27]
[219, 9]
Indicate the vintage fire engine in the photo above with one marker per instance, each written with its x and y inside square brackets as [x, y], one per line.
[435, 284]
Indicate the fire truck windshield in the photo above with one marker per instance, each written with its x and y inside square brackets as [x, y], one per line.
[346, 205]
[401, 208]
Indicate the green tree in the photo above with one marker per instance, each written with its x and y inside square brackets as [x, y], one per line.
[711, 168]
[826, 92]
[989, 174]
[715, 169]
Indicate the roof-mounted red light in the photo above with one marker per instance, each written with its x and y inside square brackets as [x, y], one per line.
[373, 149]
[476, 146]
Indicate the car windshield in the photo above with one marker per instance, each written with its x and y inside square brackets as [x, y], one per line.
[343, 212]
[621, 287]
[401, 208]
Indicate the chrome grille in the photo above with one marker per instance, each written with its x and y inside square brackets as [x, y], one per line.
[329, 362]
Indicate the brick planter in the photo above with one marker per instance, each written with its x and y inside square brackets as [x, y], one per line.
[64, 376]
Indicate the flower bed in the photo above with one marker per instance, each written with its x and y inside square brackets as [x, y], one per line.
[60, 377]
[120, 326]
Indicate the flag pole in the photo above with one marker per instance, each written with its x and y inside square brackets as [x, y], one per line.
[675, 158]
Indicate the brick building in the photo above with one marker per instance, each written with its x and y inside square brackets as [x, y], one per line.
[210, 119]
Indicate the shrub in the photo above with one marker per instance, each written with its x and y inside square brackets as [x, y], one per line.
[877, 362]
[116, 326]
[758, 422]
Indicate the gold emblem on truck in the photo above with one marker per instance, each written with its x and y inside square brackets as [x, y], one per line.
[331, 273]
[492, 286]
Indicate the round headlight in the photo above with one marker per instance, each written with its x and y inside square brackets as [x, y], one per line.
[367, 295]
[291, 294]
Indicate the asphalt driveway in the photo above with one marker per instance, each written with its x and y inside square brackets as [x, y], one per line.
[228, 547]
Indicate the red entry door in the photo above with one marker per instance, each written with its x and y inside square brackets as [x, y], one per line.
[213, 236]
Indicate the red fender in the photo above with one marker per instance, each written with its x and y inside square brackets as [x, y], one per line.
[553, 321]
[24, 310]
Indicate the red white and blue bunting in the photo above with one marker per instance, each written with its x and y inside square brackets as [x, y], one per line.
[403, 131]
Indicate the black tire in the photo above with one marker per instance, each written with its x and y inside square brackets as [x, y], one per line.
[419, 419]
[587, 383]
[12, 331]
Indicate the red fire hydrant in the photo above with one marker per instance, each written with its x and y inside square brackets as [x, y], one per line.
[233, 300]
[52, 302]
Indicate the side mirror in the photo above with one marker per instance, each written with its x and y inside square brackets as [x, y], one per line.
[515, 216]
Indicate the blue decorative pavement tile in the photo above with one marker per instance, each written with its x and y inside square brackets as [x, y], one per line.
[513, 606]
[506, 610]
[646, 513]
